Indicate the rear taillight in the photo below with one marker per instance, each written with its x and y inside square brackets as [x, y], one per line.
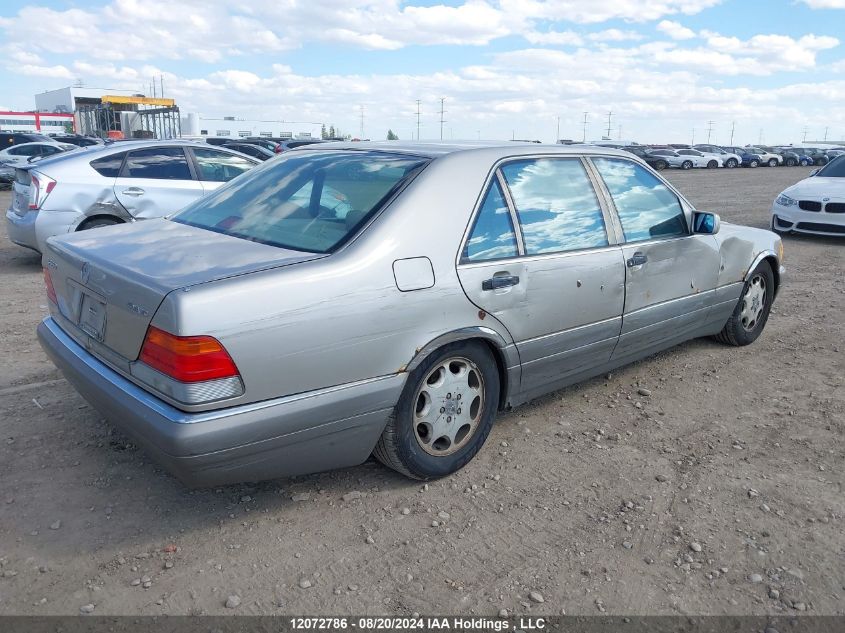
[40, 187]
[188, 359]
[51, 291]
[278, 148]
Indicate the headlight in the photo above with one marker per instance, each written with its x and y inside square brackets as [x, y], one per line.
[785, 201]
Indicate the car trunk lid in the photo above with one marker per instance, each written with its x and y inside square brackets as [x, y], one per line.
[110, 281]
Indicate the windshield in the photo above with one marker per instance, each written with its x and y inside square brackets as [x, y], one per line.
[313, 201]
[834, 169]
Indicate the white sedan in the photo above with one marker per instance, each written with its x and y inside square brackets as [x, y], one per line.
[23, 153]
[814, 205]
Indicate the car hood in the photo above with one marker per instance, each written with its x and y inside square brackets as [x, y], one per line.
[817, 187]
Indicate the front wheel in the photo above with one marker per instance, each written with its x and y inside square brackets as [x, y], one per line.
[752, 312]
[687, 164]
[445, 412]
[731, 163]
[754, 163]
[712, 164]
[661, 165]
[790, 162]
[773, 162]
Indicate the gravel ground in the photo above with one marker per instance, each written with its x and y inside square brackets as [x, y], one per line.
[719, 492]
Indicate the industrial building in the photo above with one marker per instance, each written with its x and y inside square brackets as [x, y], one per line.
[42, 122]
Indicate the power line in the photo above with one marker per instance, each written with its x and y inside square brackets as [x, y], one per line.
[442, 112]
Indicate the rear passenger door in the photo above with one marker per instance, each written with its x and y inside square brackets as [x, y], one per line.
[156, 181]
[542, 258]
[671, 273]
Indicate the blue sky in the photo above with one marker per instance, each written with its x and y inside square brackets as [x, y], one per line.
[506, 67]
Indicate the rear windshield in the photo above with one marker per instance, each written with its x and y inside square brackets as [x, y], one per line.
[311, 202]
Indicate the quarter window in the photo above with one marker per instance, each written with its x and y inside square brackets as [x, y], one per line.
[109, 166]
[217, 166]
[492, 235]
[647, 208]
[556, 205]
[161, 163]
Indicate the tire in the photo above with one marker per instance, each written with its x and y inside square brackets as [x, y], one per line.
[96, 223]
[821, 162]
[424, 446]
[687, 164]
[731, 163]
[773, 162]
[661, 165]
[754, 163]
[805, 163]
[790, 162]
[752, 310]
[712, 164]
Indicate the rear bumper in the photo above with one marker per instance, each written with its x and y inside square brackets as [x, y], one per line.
[32, 229]
[294, 435]
[21, 229]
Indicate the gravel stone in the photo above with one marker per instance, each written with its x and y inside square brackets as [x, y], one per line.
[536, 596]
[755, 578]
[304, 583]
[233, 602]
[695, 547]
[87, 608]
[351, 496]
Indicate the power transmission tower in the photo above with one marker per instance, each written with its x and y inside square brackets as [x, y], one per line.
[825, 132]
[760, 141]
[557, 135]
[806, 129]
[692, 142]
[619, 138]
[733, 127]
[584, 135]
[709, 130]
[418, 119]
[609, 115]
[362, 122]
[442, 112]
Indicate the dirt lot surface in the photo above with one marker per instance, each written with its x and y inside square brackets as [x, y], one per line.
[720, 492]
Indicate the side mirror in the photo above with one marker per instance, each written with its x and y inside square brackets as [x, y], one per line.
[815, 171]
[705, 223]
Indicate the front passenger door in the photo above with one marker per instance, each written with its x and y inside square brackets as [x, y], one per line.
[671, 274]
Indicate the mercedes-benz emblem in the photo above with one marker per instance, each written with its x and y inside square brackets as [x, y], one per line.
[85, 273]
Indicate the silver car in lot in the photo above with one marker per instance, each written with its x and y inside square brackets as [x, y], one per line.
[389, 299]
[112, 184]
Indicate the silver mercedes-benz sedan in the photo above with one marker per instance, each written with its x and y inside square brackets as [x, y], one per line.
[346, 300]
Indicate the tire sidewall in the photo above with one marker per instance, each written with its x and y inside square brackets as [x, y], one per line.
[686, 164]
[420, 463]
[743, 336]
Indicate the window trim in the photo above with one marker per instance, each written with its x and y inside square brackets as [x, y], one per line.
[122, 174]
[495, 172]
[686, 207]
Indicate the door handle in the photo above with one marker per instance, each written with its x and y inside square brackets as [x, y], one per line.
[501, 281]
[637, 259]
[133, 191]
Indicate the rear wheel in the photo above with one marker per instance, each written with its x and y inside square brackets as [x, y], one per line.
[95, 223]
[754, 163]
[444, 414]
[731, 163]
[822, 160]
[773, 162]
[752, 312]
[687, 164]
[660, 165]
[790, 162]
[712, 164]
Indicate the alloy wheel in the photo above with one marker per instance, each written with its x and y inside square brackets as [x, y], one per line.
[753, 303]
[448, 406]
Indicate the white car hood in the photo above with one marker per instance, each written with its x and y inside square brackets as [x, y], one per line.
[817, 188]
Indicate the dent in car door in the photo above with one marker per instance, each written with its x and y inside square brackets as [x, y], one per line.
[671, 275]
[156, 181]
[564, 313]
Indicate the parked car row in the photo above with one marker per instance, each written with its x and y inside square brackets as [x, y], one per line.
[273, 145]
[713, 156]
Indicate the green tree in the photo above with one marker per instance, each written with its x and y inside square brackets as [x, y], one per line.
[332, 133]
[392, 136]
[323, 133]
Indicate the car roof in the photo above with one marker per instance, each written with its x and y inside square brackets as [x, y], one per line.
[439, 149]
[50, 142]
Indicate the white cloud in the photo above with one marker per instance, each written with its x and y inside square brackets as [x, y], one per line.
[555, 38]
[675, 30]
[825, 4]
[615, 35]
[596, 12]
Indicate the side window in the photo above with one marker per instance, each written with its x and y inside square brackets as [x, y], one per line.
[162, 163]
[646, 207]
[217, 166]
[492, 236]
[556, 205]
[109, 166]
